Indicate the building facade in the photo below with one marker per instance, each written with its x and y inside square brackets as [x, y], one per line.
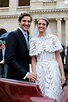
[56, 11]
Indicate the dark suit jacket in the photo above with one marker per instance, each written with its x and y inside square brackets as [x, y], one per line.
[16, 55]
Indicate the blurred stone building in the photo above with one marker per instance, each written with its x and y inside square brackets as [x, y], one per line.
[56, 11]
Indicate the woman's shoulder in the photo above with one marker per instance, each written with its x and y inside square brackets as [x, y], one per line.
[51, 36]
[32, 39]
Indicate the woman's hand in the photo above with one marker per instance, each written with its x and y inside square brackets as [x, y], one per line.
[63, 79]
[35, 78]
[32, 76]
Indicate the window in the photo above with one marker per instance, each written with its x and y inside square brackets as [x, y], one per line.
[24, 3]
[4, 3]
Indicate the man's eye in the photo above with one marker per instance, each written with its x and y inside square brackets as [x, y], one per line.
[24, 20]
[27, 21]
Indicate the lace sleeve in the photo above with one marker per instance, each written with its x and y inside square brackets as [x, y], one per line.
[32, 50]
[56, 44]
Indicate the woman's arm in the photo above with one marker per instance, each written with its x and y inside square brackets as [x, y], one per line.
[33, 64]
[59, 60]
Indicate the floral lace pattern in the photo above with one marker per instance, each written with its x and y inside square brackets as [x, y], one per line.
[48, 43]
[47, 68]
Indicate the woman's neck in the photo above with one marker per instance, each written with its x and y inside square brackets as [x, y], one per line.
[42, 34]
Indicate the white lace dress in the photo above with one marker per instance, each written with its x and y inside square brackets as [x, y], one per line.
[47, 68]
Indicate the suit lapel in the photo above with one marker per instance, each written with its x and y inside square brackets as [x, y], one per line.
[22, 38]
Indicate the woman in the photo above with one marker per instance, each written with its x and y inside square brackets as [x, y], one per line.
[46, 61]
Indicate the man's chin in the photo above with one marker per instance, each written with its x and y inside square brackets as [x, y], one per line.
[25, 30]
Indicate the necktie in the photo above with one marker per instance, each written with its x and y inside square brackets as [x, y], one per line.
[26, 38]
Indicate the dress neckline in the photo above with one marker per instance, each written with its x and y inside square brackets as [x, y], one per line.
[42, 36]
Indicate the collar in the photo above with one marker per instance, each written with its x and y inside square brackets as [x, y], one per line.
[22, 30]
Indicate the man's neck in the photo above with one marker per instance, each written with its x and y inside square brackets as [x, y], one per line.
[22, 30]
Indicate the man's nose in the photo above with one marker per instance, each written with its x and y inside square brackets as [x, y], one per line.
[41, 25]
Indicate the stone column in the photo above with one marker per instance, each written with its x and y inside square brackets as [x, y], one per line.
[13, 5]
[66, 31]
[32, 27]
[59, 30]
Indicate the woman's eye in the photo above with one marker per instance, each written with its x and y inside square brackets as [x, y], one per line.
[42, 24]
[39, 23]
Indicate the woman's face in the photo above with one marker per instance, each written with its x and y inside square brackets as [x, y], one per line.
[42, 26]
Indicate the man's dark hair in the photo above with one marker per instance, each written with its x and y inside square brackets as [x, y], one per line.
[22, 15]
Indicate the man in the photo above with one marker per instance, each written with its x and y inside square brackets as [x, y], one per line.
[1, 64]
[2, 52]
[17, 53]
[63, 53]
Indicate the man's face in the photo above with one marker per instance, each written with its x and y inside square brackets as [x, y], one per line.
[3, 46]
[25, 23]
